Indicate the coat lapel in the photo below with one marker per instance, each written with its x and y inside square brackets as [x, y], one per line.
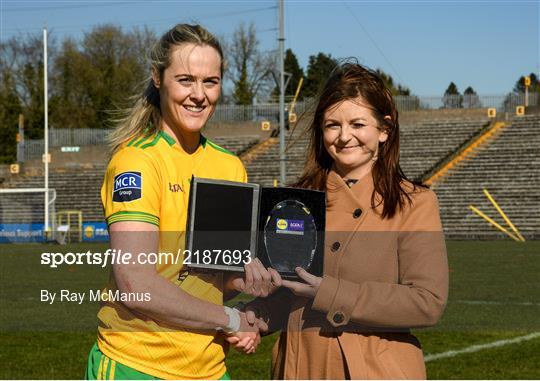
[342, 198]
[341, 223]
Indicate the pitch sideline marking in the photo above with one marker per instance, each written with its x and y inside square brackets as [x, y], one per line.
[493, 302]
[479, 347]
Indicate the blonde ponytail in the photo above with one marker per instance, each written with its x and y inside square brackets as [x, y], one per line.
[143, 119]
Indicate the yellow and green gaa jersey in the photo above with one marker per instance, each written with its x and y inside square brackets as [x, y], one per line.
[148, 180]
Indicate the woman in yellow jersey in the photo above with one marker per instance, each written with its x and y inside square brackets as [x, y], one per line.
[158, 320]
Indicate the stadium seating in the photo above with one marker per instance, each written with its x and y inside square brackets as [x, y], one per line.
[75, 190]
[425, 145]
[236, 144]
[78, 188]
[263, 168]
[508, 167]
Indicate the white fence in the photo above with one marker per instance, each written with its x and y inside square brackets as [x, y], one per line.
[270, 111]
[500, 102]
[59, 137]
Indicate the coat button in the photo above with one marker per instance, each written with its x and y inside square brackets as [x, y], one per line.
[357, 213]
[335, 246]
[338, 318]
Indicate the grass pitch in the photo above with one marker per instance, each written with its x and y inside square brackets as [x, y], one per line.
[494, 296]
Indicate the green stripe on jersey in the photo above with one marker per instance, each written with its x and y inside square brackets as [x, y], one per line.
[221, 149]
[132, 141]
[203, 141]
[141, 140]
[153, 142]
[102, 367]
[133, 216]
[168, 138]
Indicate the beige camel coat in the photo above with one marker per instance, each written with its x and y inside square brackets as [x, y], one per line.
[381, 277]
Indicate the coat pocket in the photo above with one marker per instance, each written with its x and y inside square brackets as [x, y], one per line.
[390, 367]
[402, 360]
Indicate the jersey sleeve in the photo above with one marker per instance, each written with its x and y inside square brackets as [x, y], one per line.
[131, 189]
[241, 174]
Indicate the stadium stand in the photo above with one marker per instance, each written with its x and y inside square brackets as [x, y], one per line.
[263, 166]
[75, 190]
[236, 144]
[77, 187]
[508, 168]
[425, 145]
[506, 165]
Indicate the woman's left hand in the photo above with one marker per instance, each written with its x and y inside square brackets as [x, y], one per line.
[308, 289]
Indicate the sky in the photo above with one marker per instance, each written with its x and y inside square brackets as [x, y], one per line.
[424, 45]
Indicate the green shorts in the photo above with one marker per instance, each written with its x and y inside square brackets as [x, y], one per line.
[102, 367]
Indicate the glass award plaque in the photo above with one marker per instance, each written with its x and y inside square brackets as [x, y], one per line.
[290, 235]
[291, 230]
[283, 227]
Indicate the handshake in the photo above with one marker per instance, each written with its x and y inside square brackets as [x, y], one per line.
[245, 323]
[244, 330]
[248, 322]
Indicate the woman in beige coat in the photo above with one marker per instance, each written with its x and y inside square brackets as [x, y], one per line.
[385, 266]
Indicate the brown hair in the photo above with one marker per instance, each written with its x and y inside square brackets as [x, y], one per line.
[144, 118]
[349, 81]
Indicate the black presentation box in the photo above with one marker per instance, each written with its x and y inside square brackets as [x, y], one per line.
[283, 227]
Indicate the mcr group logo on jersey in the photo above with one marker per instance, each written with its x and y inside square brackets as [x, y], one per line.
[127, 186]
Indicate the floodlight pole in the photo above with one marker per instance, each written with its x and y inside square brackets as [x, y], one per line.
[46, 132]
[281, 39]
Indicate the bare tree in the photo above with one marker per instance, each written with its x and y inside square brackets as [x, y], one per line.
[22, 60]
[250, 68]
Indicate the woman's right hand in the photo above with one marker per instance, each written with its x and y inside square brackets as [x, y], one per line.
[256, 280]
